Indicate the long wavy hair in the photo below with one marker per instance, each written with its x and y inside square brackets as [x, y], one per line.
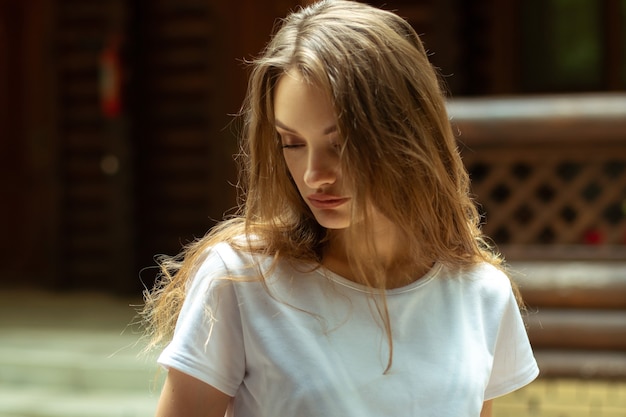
[398, 149]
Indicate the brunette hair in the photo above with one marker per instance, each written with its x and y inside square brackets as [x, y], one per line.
[398, 149]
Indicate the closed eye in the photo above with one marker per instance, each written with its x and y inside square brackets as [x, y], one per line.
[289, 141]
[291, 146]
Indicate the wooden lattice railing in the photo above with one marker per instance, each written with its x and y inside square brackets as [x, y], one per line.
[548, 173]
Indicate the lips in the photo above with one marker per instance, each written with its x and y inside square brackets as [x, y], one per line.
[326, 201]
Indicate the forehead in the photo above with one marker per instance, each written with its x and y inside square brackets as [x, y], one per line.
[301, 105]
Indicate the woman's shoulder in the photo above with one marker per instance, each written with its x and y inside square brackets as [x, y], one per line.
[489, 280]
[226, 256]
[487, 271]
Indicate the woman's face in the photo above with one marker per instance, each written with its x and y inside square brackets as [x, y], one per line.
[307, 127]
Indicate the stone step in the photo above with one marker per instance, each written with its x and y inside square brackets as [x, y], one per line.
[572, 329]
[60, 402]
[80, 341]
[62, 373]
[73, 355]
[581, 364]
[75, 360]
[572, 284]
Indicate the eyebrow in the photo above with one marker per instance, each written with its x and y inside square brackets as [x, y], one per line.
[327, 131]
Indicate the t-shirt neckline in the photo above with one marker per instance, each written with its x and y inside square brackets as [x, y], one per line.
[418, 283]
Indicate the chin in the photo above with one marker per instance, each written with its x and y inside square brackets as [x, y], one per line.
[333, 222]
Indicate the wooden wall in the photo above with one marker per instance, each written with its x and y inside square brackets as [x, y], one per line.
[93, 197]
[28, 162]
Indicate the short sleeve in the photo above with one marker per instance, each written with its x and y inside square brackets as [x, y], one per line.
[208, 342]
[514, 365]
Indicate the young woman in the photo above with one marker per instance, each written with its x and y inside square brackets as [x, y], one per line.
[355, 281]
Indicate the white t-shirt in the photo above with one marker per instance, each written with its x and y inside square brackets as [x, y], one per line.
[313, 345]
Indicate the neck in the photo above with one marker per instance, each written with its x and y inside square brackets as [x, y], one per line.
[389, 252]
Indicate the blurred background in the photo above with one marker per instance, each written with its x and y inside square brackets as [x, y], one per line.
[117, 139]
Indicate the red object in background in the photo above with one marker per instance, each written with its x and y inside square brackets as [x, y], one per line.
[111, 79]
[593, 237]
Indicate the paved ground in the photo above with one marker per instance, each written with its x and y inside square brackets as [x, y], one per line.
[77, 356]
[565, 398]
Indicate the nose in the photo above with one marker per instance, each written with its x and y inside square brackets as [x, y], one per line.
[322, 169]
